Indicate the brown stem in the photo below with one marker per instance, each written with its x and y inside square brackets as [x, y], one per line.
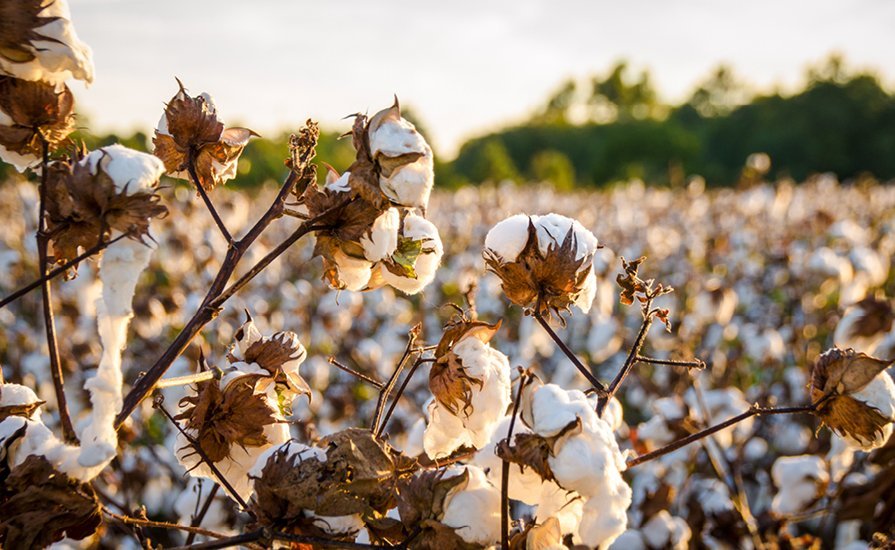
[505, 470]
[198, 448]
[217, 295]
[68, 430]
[197, 519]
[366, 378]
[264, 536]
[755, 410]
[599, 386]
[393, 379]
[628, 365]
[391, 409]
[694, 364]
[55, 272]
[191, 168]
[128, 520]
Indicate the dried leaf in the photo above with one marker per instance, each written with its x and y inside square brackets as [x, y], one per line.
[421, 498]
[528, 451]
[630, 283]
[40, 505]
[451, 385]
[37, 111]
[221, 419]
[545, 536]
[25, 411]
[19, 24]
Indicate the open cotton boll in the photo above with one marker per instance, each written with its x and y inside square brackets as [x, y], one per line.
[666, 531]
[55, 52]
[417, 232]
[508, 237]
[801, 480]
[588, 461]
[604, 519]
[488, 404]
[473, 509]
[552, 228]
[564, 505]
[411, 184]
[17, 395]
[354, 273]
[394, 136]
[879, 394]
[383, 237]
[525, 484]
[548, 409]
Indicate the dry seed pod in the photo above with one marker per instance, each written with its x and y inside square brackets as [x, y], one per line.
[32, 112]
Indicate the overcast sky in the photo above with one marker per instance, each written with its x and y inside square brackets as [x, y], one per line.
[466, 66]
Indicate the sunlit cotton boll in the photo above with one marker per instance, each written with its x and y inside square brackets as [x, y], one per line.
[473, 510]
[382, 239]
[50, 49]
[417, 232]
[393, 138]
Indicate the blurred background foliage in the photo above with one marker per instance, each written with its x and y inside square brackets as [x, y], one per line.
[615, 126]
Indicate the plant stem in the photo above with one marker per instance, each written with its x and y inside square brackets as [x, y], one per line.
[628, 365]
[366, 378]
[755, 410]
[188, 379]
[419, 361]
[505, 471]
[393, 379]
[197, 519]
[694, 364]
[128, 520]
[55, 272]
[191, 168]
[68, 430]
[599, 386]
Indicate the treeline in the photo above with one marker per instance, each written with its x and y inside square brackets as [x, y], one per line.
[615, 128]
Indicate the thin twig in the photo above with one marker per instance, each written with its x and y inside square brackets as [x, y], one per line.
[189, 379]
[628, 365]
[505, 470]
[191, 168]
[393, 379]
[55, 272]
[391, 409]
[68, 430]
[599, 386]
[128, 520]
[755, 410]
[198, 448]
[197, 519]
[365, 377]
[694, 364]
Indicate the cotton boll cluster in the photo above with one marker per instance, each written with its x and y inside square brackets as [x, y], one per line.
[471, 384]
[800, 480]
[543, 261]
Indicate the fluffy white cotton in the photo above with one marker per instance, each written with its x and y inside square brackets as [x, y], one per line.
[130, 170]
[507, 239]
[801, 481]
[525, 484]
[58, 55]
[603, 520]
[548, 409]
[473, 509]
[411, 184]
[564, 505]
[393, 136]
[12, 395]
[446, 432]
[354, 273]
[666, 531]
[417, 228]
[383, 237]
[879, 394]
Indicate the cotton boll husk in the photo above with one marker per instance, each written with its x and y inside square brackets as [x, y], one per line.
[489, 402]
[19, 161]
[508, 237]
[59, 56]
[525, 484]
[603, 520]
[474, 510]
[418, 228]
[879, 394]
[665, 531]
[800, 480]
[383, 237]
[411, 184]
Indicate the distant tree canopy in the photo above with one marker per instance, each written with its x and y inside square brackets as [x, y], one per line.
[618, 129]
[615, 127]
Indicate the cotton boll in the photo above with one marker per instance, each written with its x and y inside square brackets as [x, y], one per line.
[58, 53]
[508, 237]
[417, 228]
[604, 519]
[665, 531]
[383, 237]
[12, 395]
[548, 409]
[564, 505]
[354, 273]
[393, 136]
[525, 484]
[444, 433]
[879, 394]
[801, 481]
[338, 525]
[590, 463]
[129, 169]
[410, 185]
[553, 228]
[473, 510]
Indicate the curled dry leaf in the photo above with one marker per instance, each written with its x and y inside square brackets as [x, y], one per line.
[36, 111]
[548, 282]
[839, 374]
[630, 283]
[83, 208]
[25, 411]
[190, 130]
[448, 378]
[544, 536]
[223, 418]
[876, 317]
[40, 505]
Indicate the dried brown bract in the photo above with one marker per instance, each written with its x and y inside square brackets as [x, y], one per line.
[19, 24]
[83, 208]
[448, 379]
[530, 450]
[837, 382]
[550, 282]
[37, 112]
[189, 131]
[223, 418]
[280, 354]
[421, 506]
[40, 505]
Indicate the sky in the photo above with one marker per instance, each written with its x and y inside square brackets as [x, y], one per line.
[465, 66]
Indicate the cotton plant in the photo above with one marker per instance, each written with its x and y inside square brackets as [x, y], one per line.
[231, 422]
[470, 381]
